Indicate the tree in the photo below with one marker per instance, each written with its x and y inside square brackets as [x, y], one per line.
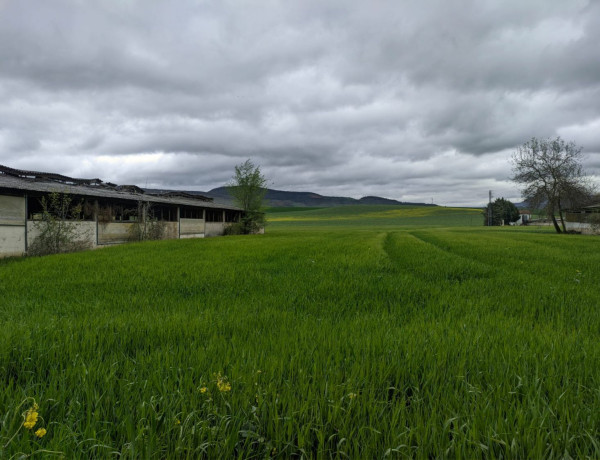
[57, 230]
[504, 212]
[248, 189]
[551, 176]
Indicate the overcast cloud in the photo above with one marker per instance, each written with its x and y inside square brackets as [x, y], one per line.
[412, 100]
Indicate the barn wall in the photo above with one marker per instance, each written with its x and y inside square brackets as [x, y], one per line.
[114, 232]
[12, 210]
[12, 225]
[12, 240]
[171, 231]
[214, 228]
[85, 230]
[582, 227]
[119, 232]
[192, 228]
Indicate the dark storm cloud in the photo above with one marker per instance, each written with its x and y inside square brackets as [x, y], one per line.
[413, 100]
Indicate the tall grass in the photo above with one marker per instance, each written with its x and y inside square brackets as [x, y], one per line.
[337, 342]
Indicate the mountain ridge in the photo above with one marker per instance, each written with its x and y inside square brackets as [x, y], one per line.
[283, 198]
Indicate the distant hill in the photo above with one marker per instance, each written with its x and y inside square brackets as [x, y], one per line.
[280, 198]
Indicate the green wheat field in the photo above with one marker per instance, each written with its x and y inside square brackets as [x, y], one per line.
[355, 332]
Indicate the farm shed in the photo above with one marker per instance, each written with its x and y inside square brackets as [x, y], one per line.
[109, 211]
[524, 217]
[585, 219]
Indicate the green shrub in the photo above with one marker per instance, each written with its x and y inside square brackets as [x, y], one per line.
[58, 232]
[146, 226]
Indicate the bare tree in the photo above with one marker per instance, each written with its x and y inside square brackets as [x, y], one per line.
[551, 176]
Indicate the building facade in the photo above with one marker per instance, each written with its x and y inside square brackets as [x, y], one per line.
[585, 219]
[108, 213]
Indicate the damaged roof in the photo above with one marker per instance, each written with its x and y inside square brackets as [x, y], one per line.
[35, 181]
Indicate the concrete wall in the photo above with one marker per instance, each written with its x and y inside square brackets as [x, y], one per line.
[171, 231]
[12, 240]
[192, 228]
[12, 225]
[582, 227]
[85, 230]
[119, 232]
[214, 228]
[12, 210]
[114, 232]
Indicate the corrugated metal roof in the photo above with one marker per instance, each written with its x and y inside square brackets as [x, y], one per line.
[39, 182]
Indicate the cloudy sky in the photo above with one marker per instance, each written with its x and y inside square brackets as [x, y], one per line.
[413, 100]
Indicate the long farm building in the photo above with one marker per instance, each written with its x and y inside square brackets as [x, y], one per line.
[108, 211]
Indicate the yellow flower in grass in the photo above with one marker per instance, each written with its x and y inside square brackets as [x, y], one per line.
[203, 390]
[222, 384]
[31, 417]
[41, 432]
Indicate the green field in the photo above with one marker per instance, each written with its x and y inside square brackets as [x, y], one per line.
[356, 332]
[360, 216]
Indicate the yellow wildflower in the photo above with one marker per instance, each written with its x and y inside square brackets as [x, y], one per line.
[177, 421]
[222, 384]
[352, 395]
[203, 390]
[41, 432]
[31, 417]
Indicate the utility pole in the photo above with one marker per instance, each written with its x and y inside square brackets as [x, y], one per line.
[490, 211]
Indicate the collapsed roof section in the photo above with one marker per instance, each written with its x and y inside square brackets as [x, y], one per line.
[17, 179]
[44, 176]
